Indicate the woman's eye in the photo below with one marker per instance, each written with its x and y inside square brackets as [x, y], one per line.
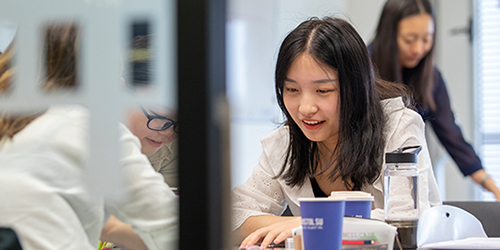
[324, 91]
[291, 90]
[409, 41]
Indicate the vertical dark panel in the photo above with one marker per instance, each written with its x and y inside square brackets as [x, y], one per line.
[201, 74]
[216, 86]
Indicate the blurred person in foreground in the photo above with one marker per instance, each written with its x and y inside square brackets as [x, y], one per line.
[156, 127]
[50, 148]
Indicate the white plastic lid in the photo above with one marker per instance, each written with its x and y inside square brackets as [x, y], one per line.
[323, 199]
[352, 195]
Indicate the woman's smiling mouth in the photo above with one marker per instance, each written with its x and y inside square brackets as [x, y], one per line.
[154, 143]
[309, 124]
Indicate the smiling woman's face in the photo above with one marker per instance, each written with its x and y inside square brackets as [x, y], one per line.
[311, 96]
[150, 140]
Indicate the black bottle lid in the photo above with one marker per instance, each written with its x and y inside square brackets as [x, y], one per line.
[403, 155]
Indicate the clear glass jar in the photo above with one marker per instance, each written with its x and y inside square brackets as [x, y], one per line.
[401, 198]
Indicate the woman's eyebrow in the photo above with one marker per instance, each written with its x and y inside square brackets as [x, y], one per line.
[415, 35]
[326, 80]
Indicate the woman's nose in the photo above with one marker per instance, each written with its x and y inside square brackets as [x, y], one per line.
[418, 47]
[308, 105]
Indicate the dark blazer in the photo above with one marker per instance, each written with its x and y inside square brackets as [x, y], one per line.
[448, 132]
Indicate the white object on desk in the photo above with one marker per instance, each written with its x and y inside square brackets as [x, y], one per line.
[447, 223]
[469, 243]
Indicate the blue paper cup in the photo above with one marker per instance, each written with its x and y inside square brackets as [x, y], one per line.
[357, 204]
[322, 220]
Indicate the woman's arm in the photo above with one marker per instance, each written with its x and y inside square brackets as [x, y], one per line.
[483, 179]
[258, 203]
[450, 135]
[121, 235]
[255, 208]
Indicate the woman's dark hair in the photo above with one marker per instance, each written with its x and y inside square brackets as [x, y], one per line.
[385, 54]
[357, 157]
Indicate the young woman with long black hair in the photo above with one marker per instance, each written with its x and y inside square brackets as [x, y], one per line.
[403, 51]
[340, 121]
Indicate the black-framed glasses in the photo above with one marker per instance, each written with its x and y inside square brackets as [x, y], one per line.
[158, 122]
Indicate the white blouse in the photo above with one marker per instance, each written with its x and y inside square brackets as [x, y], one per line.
[261, 194]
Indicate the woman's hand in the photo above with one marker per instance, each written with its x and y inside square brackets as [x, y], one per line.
[121, 235]
[274, 233]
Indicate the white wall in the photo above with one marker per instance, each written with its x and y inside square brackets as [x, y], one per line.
[364, 15]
